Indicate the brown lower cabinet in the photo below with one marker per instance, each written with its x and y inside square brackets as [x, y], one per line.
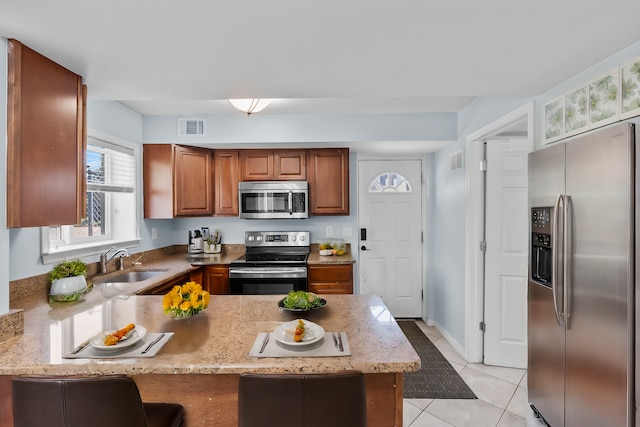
[216, 279]
[165, 287]
[331, 279]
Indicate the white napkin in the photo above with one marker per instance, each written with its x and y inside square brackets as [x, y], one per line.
[323, 348]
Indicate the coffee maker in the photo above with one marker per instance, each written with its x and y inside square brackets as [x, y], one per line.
[195, 242]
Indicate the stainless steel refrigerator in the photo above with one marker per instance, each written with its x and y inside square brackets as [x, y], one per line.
[582, 279]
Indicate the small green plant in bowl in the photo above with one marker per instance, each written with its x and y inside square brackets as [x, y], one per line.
[68, 281]
[68, 269]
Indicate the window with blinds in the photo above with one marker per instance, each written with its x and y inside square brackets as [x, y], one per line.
[109, 167]
[110, 198]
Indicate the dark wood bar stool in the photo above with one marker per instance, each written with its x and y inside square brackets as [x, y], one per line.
[295, 400]
[97, 401]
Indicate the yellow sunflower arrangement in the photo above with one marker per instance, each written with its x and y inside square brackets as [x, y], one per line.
[186, 300]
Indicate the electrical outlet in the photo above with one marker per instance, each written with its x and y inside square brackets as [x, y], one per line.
[154, 233]
[347, 231]
[329, 232]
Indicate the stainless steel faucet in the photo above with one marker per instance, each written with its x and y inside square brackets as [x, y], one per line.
[104, 260]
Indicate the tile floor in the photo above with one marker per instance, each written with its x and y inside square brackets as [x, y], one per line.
[502, 396]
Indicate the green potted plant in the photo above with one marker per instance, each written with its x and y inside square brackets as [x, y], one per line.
[68, 281]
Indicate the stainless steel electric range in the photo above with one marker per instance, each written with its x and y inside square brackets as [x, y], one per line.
[275, 262]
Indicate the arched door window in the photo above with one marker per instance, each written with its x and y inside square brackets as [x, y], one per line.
[390, 182]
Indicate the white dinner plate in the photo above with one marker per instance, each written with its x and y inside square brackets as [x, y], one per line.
[312, 333]
[98, 341]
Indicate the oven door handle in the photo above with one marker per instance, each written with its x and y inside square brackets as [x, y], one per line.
[267, 270]
[248, 274]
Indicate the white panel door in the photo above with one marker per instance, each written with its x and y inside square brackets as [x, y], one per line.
[505, 295]
[391, 263]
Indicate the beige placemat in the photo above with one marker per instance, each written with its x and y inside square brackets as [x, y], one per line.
[136, 350]
[323, 348]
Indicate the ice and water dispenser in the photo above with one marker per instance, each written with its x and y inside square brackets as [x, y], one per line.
[541, 245]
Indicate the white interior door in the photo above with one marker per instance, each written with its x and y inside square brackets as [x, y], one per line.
[505, 288]
[390, 210]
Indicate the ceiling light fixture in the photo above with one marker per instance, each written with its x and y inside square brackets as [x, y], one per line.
[249, 106]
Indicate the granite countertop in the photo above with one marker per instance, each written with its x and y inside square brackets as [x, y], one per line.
[216, 341]
[32, 295]
[316, 259]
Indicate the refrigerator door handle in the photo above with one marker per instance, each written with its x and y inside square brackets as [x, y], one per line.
[556, 254]
[567, 253]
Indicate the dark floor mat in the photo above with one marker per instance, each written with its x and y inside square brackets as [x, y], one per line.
[436, 379]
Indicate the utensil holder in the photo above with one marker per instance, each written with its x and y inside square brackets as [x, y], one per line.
[215, 248]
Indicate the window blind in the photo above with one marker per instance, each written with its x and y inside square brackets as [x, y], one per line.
[110, 168]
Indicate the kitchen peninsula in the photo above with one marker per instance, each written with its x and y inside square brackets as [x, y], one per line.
[200, 366]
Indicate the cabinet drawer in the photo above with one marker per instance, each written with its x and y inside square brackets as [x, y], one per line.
[334, 273]
[331, 288]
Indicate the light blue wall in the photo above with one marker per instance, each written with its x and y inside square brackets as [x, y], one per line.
[447, 210]
[116, 120]
[446, 287]
[4, 232]
[308, 129]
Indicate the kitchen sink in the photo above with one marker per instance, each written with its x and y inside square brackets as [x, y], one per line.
[135, 276]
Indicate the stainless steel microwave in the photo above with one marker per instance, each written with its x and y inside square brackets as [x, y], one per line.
[274, 199]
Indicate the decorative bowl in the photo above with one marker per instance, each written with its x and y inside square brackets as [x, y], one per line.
[302, 310]
[68, 285]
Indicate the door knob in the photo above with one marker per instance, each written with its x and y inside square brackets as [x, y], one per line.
[363, 247]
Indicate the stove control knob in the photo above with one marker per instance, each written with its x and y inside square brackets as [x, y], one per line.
[301, 238]
[294, 238]
[258, 238]
[250, 238]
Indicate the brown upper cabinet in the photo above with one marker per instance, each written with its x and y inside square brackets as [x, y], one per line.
[225, 181]
[191, 181]
[178, 181]
[273, 165]
[328, 181]
[46, 147]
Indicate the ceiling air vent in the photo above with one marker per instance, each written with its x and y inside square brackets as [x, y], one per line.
[190, 127]
[455, 161]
